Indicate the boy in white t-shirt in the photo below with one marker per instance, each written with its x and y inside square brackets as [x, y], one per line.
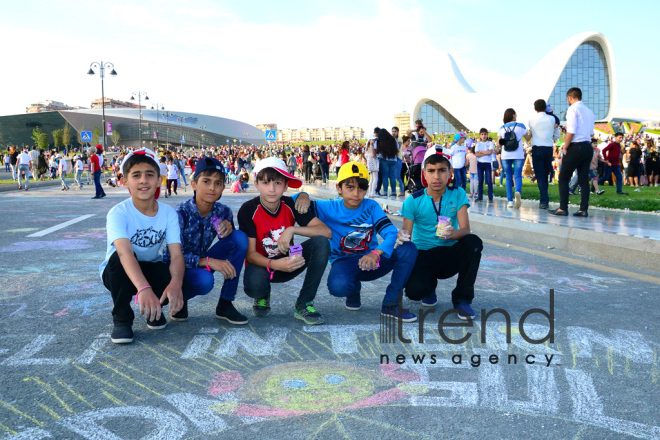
[163, 172]
[458, 151]
[61, 171]
[484, 150]
[172, 176]
[78, 169]
[137, 229]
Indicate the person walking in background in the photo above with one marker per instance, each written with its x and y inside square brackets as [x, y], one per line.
[13, 156]
[634, 156]
[24, 162]
[471, 161]
[612, 156]
[78, 169]
[387, 147]
[578, 152]
[96, 160]
[61, 171]
[7, 159]
[324, 164]
[373, 165]
[652, 163]
[42, 165]
[484, 150]
[510, 137]
[544, 131]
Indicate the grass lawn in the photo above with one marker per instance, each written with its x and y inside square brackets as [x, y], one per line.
[12, 182]
[645, 200]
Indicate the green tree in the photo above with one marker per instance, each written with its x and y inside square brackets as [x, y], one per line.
[58, 138]
[116, 137]
[42, 143]
[96, 134]
[36, 135]
[66, 135]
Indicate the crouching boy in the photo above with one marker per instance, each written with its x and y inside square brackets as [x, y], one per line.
[137, 228]
[355, 254]
[270, 223]
[201, 220]
[438, 221]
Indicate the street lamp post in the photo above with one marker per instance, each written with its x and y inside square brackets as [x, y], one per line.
[158, 107]
[146, 98]
[167, 115]
[181, 119]
[101, 66]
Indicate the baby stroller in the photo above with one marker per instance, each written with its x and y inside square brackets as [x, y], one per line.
[414, 173]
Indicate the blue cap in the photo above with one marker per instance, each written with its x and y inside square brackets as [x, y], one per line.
[208, 163]
[458, 136]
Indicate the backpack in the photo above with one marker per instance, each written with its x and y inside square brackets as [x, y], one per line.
[510, 140]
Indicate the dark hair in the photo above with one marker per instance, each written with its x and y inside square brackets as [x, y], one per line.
[137, 159]
[305, 148]
[508, 115]
[361, 183]
[436, 159]
[405, 139]
[208, 173]
[270, 174]
[345, 145]
[376, 130]
[322, 147]
[575, 92]
[397, 128]
[99, 150]
[483, 130]
[387, 145]
[618, 134]
[540, 105]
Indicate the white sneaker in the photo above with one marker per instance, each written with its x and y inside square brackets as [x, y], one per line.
[518, 201]
[509, 205]
[500, 186]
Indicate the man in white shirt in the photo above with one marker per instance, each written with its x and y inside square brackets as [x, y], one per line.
[484, 150]
[577, 152]
[61, 170]
[457, 153]
[545, 131]
[34, 155]
[23, 161]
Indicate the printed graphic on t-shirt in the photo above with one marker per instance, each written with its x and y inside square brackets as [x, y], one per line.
[269, 242]
[357, 241]
[147, 237]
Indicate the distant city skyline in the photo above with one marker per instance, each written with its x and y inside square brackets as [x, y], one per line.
[301, 64]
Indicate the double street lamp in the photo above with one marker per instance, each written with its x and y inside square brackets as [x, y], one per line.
[201, 127]
[146, 98]
[101, 66]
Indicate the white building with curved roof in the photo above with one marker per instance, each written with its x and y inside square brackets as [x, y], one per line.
[585, 61]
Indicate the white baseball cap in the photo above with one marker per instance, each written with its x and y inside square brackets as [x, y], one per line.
[144, 151]
[431, 152]
[278, 165]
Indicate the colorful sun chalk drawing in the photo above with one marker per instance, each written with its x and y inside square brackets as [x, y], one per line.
[299, 388]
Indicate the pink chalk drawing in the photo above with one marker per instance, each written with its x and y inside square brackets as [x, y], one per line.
[299, 388]
[62, 312]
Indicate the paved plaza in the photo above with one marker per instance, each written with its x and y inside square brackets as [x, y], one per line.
[278, 378]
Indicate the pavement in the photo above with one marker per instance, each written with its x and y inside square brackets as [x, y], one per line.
[597, 378]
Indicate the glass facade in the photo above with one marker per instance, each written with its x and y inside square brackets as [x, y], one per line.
[437, 119]
[588, 70]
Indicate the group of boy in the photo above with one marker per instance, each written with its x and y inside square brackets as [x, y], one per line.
[199, 239]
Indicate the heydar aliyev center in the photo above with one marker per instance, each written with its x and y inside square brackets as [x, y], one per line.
[585, 61]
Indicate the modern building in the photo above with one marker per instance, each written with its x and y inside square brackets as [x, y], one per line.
[402, 120]
[585, 61]
[319, 134]
[159, 129]
[47, 106]
[113, 103]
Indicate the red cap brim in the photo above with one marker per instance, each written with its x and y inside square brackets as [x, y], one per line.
[294, 182]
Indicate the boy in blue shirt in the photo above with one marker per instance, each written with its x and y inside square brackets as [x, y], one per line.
[201, 220]
[137, 229]
[456, 251]
[355, 253]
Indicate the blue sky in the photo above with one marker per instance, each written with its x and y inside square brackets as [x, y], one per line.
[302, 63]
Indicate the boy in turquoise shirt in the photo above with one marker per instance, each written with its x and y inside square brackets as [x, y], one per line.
[454, 251]
[355, 254]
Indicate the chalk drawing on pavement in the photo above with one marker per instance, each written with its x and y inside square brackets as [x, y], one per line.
[56, 245]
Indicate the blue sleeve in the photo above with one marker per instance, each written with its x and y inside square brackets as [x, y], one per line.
[385, 229]
[462, 199]
[408, 209]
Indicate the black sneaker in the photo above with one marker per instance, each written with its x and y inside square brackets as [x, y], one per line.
[122, 334]
[181, 315]
[226, 310]
[157, 324]
[308, 314]
[261, 307]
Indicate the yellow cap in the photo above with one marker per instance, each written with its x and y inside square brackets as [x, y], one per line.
[352, 169]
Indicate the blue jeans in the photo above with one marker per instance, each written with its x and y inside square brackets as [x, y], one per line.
[97, 183]
[200, 281]
[542, 163]
[345, 275]
[78, 178]
[21, 169]
[388, 168]
[325, 171]
[63, 182]
[609, 169]
[460, 177]
[399, 166]
[513, 169]
[572, 185]
[484, 170]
